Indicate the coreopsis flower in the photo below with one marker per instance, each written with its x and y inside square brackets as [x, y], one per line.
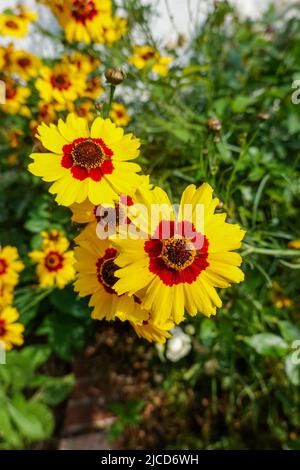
[62, 84]
[55, 266]
[153, 332]
[15, 99]
[114, 29]
[84, 63]
[294, 244]
[83, 20]
[11, 333]
[10, 266]
[149, 57]
[85, 109]
[6, 295]
[87, 163]
[16, 25]
[24, 64]
[183, 259]
[119, 114]
[55, 240]
[93, 88]
[96, 267]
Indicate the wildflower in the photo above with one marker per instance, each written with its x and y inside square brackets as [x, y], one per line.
[11, 333]
[93, 88]
[16, 25]
[181, 270]
[10, 266]
[149, 57]
[62, 83]
[84, 63]
[54, 239]
[83, 20]
[16, 97]
[119, 114]
[85, 163]
[153, 332]
[55, 266]
[96, 267]
[179, 345]
[24, 64]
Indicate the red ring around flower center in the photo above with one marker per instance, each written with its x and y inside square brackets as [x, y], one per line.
[88, 158]
[3, 266]
[54, 261]
[83, 10]
[106, 269]
[2, 328]
[181, 257]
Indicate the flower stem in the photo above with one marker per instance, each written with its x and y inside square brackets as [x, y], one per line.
[111, 97]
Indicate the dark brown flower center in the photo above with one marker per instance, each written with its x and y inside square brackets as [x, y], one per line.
[24, 62]
[10, 91]
[53, 261]
[148, 55]
[178, 253]
[12, 24]
[3, 266]
[2, 328]
[107, 272]
[60, 81]
[87, 154]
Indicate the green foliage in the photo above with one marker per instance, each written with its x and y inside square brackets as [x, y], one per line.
[25, 396]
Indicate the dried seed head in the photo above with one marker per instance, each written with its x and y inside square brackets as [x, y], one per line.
[214, 124]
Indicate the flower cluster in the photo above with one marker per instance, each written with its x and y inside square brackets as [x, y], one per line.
[11, 333]
[88, 20]
[150, 272]
[16, 23]
[147, 57]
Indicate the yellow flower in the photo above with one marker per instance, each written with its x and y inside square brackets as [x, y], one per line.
[86, 109]
[83, 20]
[11, 333]
[93, 88]
[16, 97]
[62, 84]
[114, 29]
[86, 163]
[183, 259]
[84, 63]
[55, 266]
[153, 332]
[119, 114]
[294, 244]
[10, 266]
[14, 26]
[6, 295]
[24, 64]
[46, 114]
[95, 266]
[55, 240]
[149, 57]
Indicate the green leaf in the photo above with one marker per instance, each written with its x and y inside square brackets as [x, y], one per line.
[208, 332]
[268, 344]
[289, 331]
[54, 390]
[33, 420]
[292, 369]
[241, 103]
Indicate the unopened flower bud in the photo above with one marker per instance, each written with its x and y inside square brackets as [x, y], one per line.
[263, 116]
[115, 76]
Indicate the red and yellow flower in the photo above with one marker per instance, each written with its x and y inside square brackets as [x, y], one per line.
[10, 266]
[119, 114]
[16, 97]
[16, 24]
[55, 266]
[149, 57]
[181, 270]
[95, 264]
[62, 84]
[153, 332]
[24, 64]
[87, 163]
[55, 240]
[11, 333]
